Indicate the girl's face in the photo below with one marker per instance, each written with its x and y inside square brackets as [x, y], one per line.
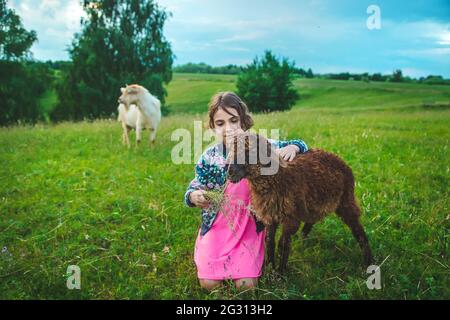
[226, 123]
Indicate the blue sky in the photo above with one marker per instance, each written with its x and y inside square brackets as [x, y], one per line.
[325, 35]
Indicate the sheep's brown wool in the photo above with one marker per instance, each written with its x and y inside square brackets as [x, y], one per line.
[307, 189]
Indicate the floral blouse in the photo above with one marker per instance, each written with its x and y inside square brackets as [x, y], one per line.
[210, 173]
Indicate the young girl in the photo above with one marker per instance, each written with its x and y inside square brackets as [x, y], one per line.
[230, 244]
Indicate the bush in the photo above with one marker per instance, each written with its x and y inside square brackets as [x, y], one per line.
[435, 80]
[22, 81]
[266, 85]
[21, 85]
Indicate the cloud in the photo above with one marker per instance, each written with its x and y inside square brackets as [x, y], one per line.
[55, 23]
[425, 39]
[414, 72]
[422, 30]
[243, 37]
[430, 52]
[321, 34]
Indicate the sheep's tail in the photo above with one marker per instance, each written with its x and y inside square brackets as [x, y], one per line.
[349, 203]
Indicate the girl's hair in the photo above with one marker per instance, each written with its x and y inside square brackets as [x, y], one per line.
[226, 100]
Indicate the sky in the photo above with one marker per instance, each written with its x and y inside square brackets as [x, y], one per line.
[324, 35]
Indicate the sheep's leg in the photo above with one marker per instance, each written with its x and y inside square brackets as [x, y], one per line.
[350, 216]
[307, 229]
[284, 245]
[271, 243]
[361, 237]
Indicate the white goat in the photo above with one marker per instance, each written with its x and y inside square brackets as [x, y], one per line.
[138, 109]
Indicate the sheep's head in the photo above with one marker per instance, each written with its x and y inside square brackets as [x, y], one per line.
[251, 155]
[130, 95]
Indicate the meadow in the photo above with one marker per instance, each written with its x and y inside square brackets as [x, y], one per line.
[72, 194]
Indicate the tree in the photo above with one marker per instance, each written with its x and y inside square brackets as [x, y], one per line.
[121, 42]
[266, 85]
[377, 77]
[397, 76]
[309, 74]
[15, 41]
[22, 82]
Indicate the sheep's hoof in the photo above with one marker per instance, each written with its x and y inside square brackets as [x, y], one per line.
[368, 259]
[282, 268]
[270, 264]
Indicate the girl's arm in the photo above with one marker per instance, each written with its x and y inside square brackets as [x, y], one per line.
[283, 143]
[193, 186]
[207, 176]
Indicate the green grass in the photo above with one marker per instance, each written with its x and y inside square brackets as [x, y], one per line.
[190, 93]
[47, 103]
[72, 194]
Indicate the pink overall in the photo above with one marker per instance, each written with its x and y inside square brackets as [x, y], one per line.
[231, 249]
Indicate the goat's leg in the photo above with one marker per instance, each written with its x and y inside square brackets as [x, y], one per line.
[153, 128]
[151, 139]
[140, 124]
[125, 134]
[128, 136]
[284, 245]
[270, 240]
[350, 216]
[307, 229]
[138, 134]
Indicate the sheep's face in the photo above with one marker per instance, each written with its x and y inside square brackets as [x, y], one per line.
[130, 95]
[236, 172]
[251, 155]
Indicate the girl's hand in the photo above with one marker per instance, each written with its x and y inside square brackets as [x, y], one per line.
[198, 199]
[289, 152]
[230, 135]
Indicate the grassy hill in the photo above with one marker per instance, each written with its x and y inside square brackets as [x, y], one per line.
[72, 194]
[190, 93]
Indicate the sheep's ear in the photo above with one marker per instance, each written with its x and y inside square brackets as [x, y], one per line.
[122, 90]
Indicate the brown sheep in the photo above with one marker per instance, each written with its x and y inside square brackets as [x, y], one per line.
[313, 185]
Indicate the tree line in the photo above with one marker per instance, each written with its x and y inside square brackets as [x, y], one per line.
[396, 76]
